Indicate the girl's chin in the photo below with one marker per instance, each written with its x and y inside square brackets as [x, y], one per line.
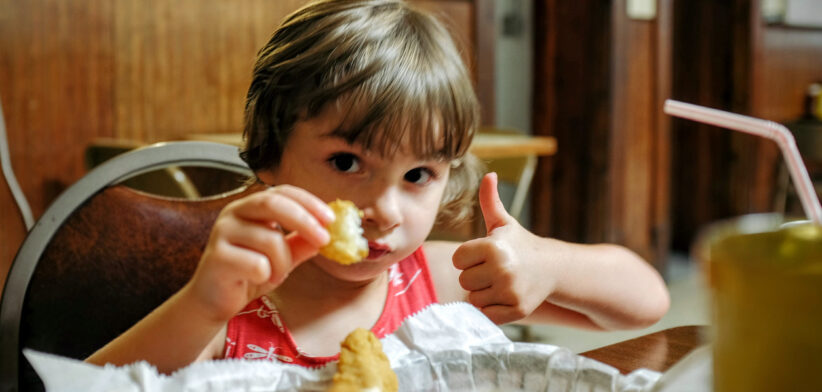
[363, 270]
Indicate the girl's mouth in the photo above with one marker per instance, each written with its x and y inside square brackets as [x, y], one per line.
[377, 250]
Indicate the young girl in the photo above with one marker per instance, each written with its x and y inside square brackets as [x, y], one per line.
[369, 101]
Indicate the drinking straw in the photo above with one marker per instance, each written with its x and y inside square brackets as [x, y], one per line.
[768, 129]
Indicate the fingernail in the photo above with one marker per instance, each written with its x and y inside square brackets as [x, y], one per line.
[328, 214]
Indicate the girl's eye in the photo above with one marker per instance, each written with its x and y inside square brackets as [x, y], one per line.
[419, 176]
[344, 162]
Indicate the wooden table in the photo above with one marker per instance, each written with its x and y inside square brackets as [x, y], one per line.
[656, 351]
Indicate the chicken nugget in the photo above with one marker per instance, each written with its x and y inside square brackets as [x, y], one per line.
[347, 245]
[363, 366]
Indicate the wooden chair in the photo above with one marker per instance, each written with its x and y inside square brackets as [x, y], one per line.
[103, 256]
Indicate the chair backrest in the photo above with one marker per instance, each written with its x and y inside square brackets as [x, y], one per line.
[168, 181]
[103, 256]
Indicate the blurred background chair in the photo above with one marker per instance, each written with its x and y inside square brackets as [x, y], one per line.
[514, 169]
[103, 255]
[807, 130]
[513, 155]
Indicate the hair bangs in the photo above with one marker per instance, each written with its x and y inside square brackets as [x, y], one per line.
[402, 88]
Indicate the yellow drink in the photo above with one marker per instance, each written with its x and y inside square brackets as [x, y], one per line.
[766, 285]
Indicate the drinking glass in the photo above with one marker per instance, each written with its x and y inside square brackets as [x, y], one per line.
[764, 273]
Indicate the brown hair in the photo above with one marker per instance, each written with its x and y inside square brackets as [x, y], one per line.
[395, 67]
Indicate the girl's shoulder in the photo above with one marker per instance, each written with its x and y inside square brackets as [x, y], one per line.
[443, 272]
[437, 250]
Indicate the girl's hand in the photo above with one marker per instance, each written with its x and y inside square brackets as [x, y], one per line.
[254, 245]
[502, 271]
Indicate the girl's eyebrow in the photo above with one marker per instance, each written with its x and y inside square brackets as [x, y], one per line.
[336, 132]
[333, 134]
[337, 135]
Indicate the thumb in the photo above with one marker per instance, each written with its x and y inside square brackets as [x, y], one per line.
[492, 209]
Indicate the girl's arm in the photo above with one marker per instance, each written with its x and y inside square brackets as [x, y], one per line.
[599, 287]
[248, 254]
[512, 275]
[177, 333]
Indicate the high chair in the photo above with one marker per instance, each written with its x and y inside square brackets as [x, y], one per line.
[103, 256]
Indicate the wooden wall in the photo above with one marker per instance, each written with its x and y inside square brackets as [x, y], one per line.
[639, 165]
[625, 172]
[600, 82]
[74, 71]
[741, 64]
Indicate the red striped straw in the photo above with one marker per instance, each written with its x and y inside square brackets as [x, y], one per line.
[768, 129]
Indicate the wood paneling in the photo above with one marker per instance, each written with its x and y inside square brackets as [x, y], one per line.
[703, 73]
[56, 88]
[75, 71]
[184, 66]
[571, 103]
[737, 63]
[784, 62]
[661, 227]
[639, 143]
[471, 23]
[600, 82]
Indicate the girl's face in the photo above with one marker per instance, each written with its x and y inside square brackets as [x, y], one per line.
[399, 194]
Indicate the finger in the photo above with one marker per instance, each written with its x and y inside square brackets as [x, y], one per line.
[501, 314]
[279, 257]
[476, 278]
[301, 250]
[312, 203]
[251, 235]
[484, 297]
[276, 208]
[493, 211]
[469, 254]
[248, 265]
[268, 243]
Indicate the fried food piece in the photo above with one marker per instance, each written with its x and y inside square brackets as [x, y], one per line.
[363, 365]
[347, 245]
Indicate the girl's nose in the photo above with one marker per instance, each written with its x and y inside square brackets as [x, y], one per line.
[383, 212]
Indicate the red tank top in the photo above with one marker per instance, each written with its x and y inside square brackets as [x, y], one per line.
[257, 332]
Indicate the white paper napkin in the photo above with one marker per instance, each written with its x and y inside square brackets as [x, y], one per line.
[450, 347]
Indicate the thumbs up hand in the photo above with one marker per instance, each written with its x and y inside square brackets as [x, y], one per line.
[504, 272]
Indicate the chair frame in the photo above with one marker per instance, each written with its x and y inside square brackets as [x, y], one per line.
[120, 168]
